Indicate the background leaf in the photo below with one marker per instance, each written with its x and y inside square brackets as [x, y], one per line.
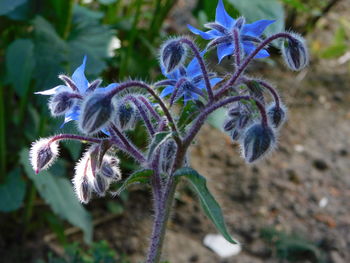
[12, 192]
[58, 192]
[20, 63]
[217, 118]
[141, 176]
[7, 6]
[208, 202]
[254, 10]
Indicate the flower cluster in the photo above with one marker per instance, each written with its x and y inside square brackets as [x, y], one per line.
[104, 114]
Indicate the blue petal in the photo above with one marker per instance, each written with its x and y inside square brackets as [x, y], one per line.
[222, 17]
[193, 69]
[215, 81]
[165, 92]
[206, 35]
[51, 91]
[257, 28]
[106, 132]
[109, 87]
[250, 47]
[79, 77]
[72, 115]
[224, 50]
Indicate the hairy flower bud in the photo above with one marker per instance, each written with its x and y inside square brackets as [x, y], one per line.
[167, 156]
[109, 168]
[295, 52]
[42, 154]
[62, 102]
[173, 54]
[125, 116]
[85, 172]
[257, 141]
[100, 184]
[277, 115]
[96, 112]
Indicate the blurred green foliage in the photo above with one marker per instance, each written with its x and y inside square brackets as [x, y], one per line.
[292, 247]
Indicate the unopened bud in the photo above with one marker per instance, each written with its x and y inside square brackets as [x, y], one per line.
[100, 184]
[167, 156]
[62, 102]
[240, 22]
[42, 154]
[257, 141]
[125, 116]
[82, 189]
[295, 52]
[229, 124]
[110, 169]
[277, 115]
[173, 54]
[96, 112]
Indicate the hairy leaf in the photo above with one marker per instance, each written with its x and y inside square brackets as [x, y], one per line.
[208, 202]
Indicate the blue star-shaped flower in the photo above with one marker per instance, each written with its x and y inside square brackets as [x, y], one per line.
[190, 79]
[222, 29]
[79, 84]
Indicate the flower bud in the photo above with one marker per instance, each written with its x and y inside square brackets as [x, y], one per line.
[295, 53]
[42, 154]
[100, 184]
[277, 115]
[125, 117]
[82, 189]
[109, 168]
[173, 54]
[96, 112]
[167, 156]
[229, 124]
[62, 102]
[257, 140]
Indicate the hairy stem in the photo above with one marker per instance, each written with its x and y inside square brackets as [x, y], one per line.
[237, 46]
[74, 137]
[131, 149]
[205, 113]
[249, 58]
[143, 114]
[143, 85]
[202, 66]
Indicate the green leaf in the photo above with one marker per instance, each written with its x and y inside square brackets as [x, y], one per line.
[217, 118]
[107, 2]
[50, 53]
[12, 192]
[20, 64]
[88, 37]
[158, 139]
[188, 114]
[58, 192]
[254, 10]
[7, 6]
[208, 203]
[141, 176]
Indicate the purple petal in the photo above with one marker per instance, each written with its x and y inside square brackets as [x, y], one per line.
[165, 92]
[79, 77]
[206, 35]
[250, 47]
[257, 28]
[224, 50]
[51, 91]
[222, 17]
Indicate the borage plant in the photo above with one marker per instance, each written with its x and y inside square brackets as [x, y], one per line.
[104, 114]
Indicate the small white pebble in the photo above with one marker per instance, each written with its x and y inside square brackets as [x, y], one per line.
[323, 202]
[221, 246]
[299, 148]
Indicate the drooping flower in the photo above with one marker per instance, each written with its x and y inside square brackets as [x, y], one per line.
[222, 33]
[189, 80]
[77, 85]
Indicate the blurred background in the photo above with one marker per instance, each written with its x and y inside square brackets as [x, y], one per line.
[291, 207]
